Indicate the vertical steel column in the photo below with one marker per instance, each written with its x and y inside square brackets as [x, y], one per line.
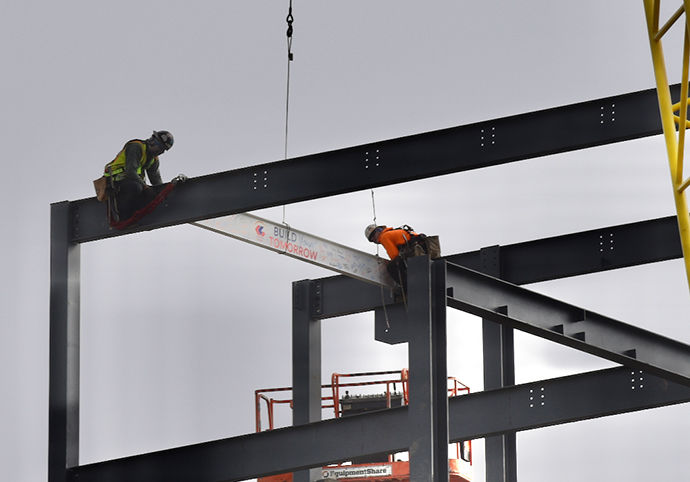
[306, 360]
[440, 368]
[428, 410]
[63, 398]
[499, 372]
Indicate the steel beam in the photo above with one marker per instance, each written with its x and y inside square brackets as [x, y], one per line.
[421, 348]
[273, 452]
[556, 401]
[477, 415]
[63, 397]
[529, 262]
[342, 295]
[306, 360]
[585, 252]
[306, 353]
[439, 370]
[428, 406]
[489, 143]
[568, 325]
[283, 239]
[500, 451]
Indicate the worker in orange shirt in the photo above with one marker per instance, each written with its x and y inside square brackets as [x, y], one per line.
[393, 240]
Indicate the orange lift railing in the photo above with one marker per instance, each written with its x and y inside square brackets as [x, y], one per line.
[333, 398]
[674, 117]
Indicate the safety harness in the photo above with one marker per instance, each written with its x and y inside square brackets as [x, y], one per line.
[143, 211]
[415, 244]
[113, 215]
[115, 169]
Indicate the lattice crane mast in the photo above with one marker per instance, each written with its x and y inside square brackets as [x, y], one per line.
[674, 117]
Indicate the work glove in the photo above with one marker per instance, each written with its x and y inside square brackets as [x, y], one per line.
[179, 178]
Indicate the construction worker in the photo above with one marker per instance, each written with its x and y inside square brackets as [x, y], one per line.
[393, 240]
[127, 172]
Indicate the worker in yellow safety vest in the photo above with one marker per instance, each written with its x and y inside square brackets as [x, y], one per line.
[128, 171]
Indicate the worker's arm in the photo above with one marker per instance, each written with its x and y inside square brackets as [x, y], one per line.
[387, 240]
[154, 173]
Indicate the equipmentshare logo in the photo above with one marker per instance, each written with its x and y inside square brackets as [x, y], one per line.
[357, 472]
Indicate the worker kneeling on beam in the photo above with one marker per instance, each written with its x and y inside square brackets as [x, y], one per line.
[127, 172]
[402, 243]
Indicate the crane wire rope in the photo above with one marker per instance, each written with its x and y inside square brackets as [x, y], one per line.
[380, 261]
[289, 19]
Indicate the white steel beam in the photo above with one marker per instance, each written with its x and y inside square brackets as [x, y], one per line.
[286, 240]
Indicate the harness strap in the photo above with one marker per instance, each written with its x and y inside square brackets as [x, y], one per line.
[146, 209]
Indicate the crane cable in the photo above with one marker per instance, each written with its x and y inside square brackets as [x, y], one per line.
[289, 19]
[380, 261]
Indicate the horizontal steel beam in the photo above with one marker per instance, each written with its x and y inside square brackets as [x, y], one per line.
[560, 400]
[342, 295]
[561, 129]
[478, 415]
[529, 262]
[525, 310]
[586, 252]
[256, 455]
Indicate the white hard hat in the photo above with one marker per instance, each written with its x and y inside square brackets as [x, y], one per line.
[369, 230]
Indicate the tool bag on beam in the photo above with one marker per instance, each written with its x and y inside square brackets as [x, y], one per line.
[420, 245]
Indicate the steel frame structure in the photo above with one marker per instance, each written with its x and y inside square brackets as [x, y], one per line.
[473, 146]
[431, 421]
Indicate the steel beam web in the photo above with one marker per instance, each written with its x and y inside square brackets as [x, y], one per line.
[393, 161]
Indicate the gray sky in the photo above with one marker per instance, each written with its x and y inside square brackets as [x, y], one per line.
[188, 323]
